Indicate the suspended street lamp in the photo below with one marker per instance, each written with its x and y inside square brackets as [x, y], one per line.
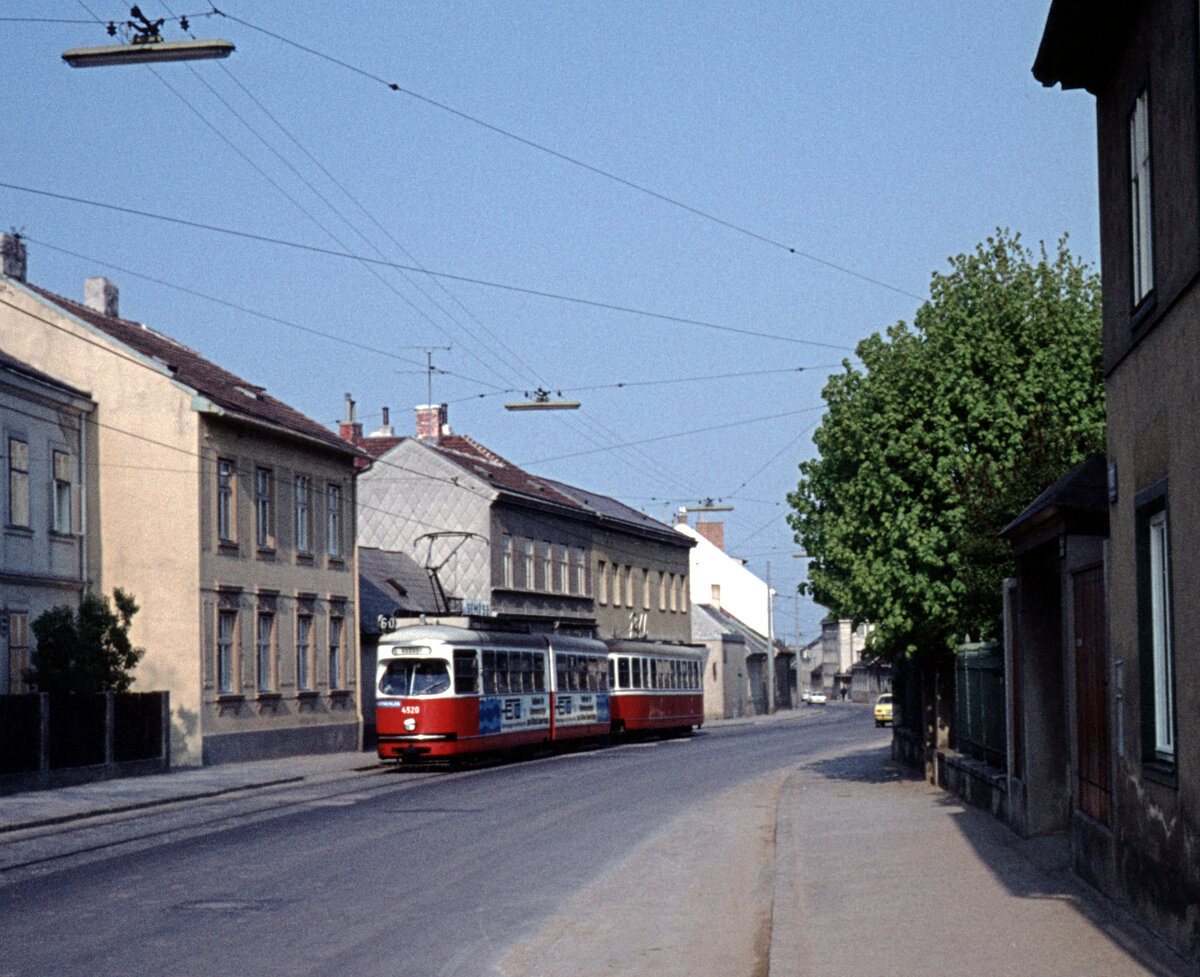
[146, 46]
[540, 400]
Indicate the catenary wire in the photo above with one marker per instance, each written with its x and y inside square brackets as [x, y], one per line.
[574, 161]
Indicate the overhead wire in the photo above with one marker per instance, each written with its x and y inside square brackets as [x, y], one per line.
[296, 203]
[496, 340]
[316, 249]
[681, 434]
[791, 249]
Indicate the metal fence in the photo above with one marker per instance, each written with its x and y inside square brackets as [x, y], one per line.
[50, 740]
[979, 703]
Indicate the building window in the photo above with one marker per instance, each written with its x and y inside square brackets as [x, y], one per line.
[18, 651]
[506, 561]
[303, 535]
[303, 652]
[530, 583]
[1139, 185]
[629, 586]
[645, 589]
[225, 507]
[63, 493]
[602, 575]
[18, 483]
[564, 571]
[264, 529]
[335, 653]
[226, 632]
[1155, 625]
[266, 652]
[547, 565]
[662, 590]
[673, 590]
[334, 500]
[579, 576]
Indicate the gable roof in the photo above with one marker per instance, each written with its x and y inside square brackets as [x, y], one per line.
[610, 509]
[226, 390]
[501, 474]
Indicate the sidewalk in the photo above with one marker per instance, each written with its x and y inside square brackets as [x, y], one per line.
[879, 872]
[65, 804]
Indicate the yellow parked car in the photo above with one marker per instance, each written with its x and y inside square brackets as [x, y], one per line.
[883, 710]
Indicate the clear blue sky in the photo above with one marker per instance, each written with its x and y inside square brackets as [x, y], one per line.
[878, 137]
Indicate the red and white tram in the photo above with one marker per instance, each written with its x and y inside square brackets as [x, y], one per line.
[655, 686]
[445, 692]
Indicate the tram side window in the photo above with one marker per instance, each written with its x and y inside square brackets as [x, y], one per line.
[504, 672]
[539, 671]
[695, 675]
[488, 659]
[612, 674]
[637, 674]
[622, 672]
[466, 673]
[586, 678]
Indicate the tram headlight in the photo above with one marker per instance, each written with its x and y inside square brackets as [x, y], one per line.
[410, 724]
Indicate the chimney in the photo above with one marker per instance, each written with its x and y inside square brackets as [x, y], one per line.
[714, 532]
[13, 250]
[350, 430]
[385, 429]
[431, 421]
[100, 295]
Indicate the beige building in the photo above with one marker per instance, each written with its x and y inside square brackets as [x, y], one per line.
[227, 514]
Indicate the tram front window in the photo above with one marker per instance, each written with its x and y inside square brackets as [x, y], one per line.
[415, 676]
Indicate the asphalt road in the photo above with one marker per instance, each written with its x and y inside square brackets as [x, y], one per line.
[482, 872]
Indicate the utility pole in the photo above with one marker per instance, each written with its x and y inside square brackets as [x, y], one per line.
[770, 645]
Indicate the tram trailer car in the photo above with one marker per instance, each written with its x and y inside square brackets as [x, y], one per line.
[655, 687]
[446, 692]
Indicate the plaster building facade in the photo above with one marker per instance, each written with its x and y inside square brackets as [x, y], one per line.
[43, 550]
[496, 541]
[739, 601]
[227, 514]
[1141, 61]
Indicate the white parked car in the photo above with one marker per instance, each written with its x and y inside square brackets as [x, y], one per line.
[818, 698]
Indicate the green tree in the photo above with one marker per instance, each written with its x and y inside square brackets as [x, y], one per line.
[86, 650]
[946, 432]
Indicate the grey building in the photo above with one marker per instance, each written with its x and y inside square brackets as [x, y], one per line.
[44, 554]
[498, 541]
